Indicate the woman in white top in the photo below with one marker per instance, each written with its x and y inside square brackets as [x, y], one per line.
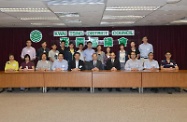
[81, 51]
[122, 56]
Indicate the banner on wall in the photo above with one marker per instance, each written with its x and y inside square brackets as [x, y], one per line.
[94, 41]
[94, 33]
[66, 39]
[108, 42]
[123, 33]
[36, 36]
[79, 40]
[123, 41]
[59, 33]
[76, 33]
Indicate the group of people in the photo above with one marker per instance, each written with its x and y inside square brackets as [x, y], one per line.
[63, 59]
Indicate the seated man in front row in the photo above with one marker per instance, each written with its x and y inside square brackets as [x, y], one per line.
[113, 64]
[169, 65]
[95, 64]
[76, 64]
[133, 64]
[61, 64]
[151, 65]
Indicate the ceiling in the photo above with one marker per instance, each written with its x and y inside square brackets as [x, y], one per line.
[91, 13]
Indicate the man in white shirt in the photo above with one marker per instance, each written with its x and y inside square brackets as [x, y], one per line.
[151, 64]
[133, 64]
[29, 50]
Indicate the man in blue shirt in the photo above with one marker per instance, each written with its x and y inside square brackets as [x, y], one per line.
[151, 64]
[61, 64]
[88, 53]
[145, 48]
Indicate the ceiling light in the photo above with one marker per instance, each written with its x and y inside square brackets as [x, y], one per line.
[109, 23]
[123, 17]
[39, 18]
[172, 1]
[133, 8]
[24, 10]
[48, 24]
[179, 21]
[73, 21]
[67, 14]
[74, 2]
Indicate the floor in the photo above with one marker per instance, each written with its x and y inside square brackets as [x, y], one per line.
[57, 106]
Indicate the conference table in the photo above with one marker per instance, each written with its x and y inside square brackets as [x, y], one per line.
[19, 79]
[116, 79]
[68, 79]
[161, 79]
[95, 79]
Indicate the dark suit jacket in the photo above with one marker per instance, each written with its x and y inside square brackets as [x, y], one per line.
[90, 65]
[64, 52]
[116, 64]
[40, 51]
[72, 65]
[69, 55]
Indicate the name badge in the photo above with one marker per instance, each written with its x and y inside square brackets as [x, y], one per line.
[44, 51]
[14, 65]
[56, 54]
[80, 66]
[171, 63]
[63, 66]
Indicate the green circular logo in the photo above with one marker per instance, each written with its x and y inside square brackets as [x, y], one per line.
[36, 36]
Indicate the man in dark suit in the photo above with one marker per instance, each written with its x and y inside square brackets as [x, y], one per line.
[76, 64]
[113, 63]
[42, 50]
[94, 65]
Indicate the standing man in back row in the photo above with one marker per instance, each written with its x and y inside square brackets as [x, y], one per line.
[88, 54]
[145, 48]
[31, 51]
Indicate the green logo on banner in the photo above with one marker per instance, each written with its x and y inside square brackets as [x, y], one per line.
[123, 41]
[79, 40]
[94, 41]
[108, 42]
[36, 36]
[66, 39]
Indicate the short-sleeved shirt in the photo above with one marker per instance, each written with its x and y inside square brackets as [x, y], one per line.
[53, 54]
[151, 64]
[166, 64]
[12, 65]
[28, 65]
[88, 54]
